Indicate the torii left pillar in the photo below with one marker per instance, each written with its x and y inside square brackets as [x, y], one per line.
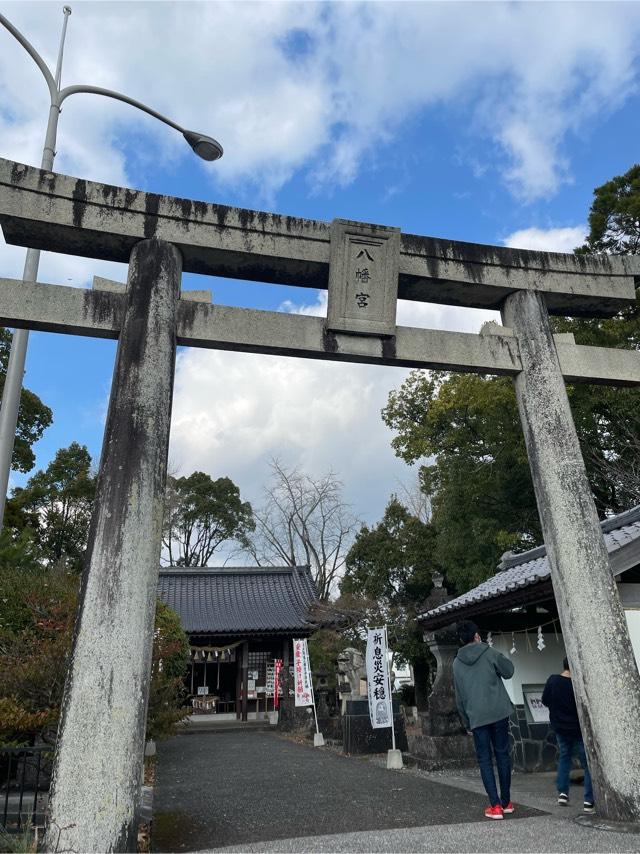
[97, 774]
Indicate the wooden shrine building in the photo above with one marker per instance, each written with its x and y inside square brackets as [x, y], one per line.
[516, 613]
[239, 620]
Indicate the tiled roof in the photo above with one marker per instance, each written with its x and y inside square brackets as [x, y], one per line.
[532, 567]
[239, 600]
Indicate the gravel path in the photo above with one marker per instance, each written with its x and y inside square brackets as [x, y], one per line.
[238, 788]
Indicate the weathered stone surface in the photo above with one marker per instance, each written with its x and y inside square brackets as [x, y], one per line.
[450, 751]
[101, 284]
[441, 716]
[363, 278]
[96, 785]
[594, 628]
[358, 736]
[61, 213]
[98, 313]
[196, 296]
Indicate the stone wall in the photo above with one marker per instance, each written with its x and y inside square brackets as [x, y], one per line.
[533, 746]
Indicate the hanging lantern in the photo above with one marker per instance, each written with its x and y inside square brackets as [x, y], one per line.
[513, 643]
[490, 639]
[540, 642]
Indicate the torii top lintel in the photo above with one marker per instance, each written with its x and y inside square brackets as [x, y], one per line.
[49, 211]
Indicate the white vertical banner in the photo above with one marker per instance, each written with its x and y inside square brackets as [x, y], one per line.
[302, 674]
[378, 685]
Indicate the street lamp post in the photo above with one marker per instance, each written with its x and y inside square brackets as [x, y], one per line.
[204, 146]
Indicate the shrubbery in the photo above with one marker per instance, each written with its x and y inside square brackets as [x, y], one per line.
[37, 613]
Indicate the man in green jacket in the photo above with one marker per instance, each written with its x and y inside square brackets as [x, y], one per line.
[484, 707]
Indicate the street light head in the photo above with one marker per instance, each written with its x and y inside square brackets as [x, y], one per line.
[204, 146]
[66, 10]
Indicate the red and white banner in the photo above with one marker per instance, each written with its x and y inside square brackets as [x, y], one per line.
[302, 674]
[276, 682]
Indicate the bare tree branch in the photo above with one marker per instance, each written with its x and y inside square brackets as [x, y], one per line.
[622, 470]
[303, 521]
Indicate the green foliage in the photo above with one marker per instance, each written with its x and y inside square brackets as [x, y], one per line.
[478, 472]
[608, 419]
[614, 220]
[387, 578]
[37, 613]
[167, 691]
[466, 431]
[23, 842]
[56, 506]
[33, 415]
[36, 624]
[407, 695]
[17, 549]
[324, 647]
[200, 514]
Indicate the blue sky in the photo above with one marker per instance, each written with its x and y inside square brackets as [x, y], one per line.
[490, 122]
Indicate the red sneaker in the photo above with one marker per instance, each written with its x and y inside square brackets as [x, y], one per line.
[493, 812]
[508, 809]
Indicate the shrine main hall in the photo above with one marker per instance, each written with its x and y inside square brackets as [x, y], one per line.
[240, 621]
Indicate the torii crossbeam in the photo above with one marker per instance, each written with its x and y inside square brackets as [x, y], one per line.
[365, 268]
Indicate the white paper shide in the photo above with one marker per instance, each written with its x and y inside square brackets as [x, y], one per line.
[378, 679]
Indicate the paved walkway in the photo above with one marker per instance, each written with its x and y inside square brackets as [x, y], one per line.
[251, 791]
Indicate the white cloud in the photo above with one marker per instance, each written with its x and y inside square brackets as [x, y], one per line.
[56, 269]
[422, 315]
[547, 239]
[316, 87]
[321, 87]
[232, 412]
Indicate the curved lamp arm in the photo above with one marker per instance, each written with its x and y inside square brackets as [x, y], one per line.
[33, 53]
[204, 146]
[108, 93]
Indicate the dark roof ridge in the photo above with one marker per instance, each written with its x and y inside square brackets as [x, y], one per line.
[613, 523]
[248, 600]
[232, 570]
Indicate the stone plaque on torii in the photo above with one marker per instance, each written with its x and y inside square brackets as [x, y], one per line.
[366, 268]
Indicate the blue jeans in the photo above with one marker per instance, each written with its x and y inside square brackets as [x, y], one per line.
[494, 736]
[568, 746]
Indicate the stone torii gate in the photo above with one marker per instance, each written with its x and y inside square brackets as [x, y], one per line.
[366, 268]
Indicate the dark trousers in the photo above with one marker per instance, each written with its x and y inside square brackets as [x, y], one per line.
[493, 740]
[569, 745]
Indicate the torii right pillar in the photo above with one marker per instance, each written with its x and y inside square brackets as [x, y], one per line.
[603, 667]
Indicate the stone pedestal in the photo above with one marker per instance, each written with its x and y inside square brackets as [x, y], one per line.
[449, 751]
[394, 760]
[359, 737]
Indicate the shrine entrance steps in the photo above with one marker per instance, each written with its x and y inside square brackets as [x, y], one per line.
[196, 724]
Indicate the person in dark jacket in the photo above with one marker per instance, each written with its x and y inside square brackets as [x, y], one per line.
[484, 707]
[559, 698]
